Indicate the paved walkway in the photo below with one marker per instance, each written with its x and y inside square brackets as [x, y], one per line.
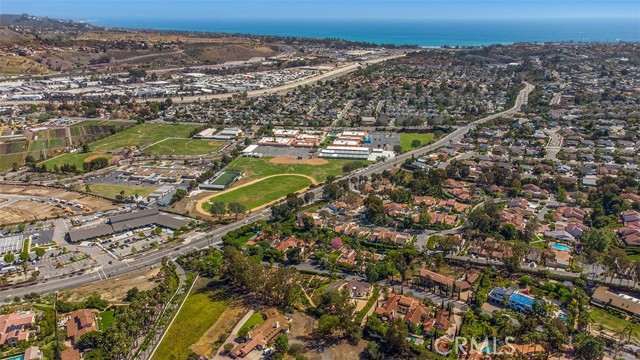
[232, 337]
[372, 309]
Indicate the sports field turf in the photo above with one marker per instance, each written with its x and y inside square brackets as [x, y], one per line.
[183, 147]
[225, 178]
[200, 311]
[77, 158]
[142, 136]
[254, 168]
[407, 138]
[262, 192]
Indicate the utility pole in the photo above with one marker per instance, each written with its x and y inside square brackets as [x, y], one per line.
[55, 327]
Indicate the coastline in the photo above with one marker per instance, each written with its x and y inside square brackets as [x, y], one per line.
[422, 33]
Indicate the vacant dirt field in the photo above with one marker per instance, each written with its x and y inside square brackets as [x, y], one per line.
[115, 289]
[302, 327]
[27, 210]
[89, 202]
[187, 206]
[290, 160]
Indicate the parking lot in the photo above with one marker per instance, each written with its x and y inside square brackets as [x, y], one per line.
[383, 140]
[129, 243]
[55, 264]
[278, 151]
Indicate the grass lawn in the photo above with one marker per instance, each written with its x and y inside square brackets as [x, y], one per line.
[407, 138]
[110, 191]
[263, 192]
[184, 147]
[253, 320]
[76, 158]
[142, 135]
[201, 310]
[600, 316]
[541, 244]
[254, 168]
[105, 319]
[633, 254]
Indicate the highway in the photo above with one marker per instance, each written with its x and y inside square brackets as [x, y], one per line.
[329, 75]
[202, 240]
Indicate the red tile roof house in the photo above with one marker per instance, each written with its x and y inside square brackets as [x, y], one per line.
[446, 283]
[630, 197]
[81, 322]
[274, 324]
[535, 191]
[70, 354]
[574, 214]
[521, 204]
[15, 327]
[630, 235]
[409, 309]
[347, 256]
[514, 218]
[395, 209]
[285, 244]
[424, 200]
[440, 322]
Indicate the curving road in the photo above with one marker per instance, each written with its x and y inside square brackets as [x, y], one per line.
[204, 239]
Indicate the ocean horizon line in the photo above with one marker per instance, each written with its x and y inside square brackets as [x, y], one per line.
[434, 33]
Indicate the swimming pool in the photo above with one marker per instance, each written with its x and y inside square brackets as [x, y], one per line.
[17, 357]
[561, 247]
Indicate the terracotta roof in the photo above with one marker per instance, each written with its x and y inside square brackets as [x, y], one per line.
[81, 322]
[13, 327]
[70, 354]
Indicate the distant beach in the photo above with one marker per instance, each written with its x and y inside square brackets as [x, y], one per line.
[411, 32]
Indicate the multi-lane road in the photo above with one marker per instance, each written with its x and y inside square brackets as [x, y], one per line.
[325, 76]
[204, 239]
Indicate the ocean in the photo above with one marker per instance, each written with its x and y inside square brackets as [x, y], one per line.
[411, 32]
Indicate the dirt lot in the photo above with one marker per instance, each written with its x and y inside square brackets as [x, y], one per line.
[290, 160]
[27, 210]
[187, 206]
[91, 203]
[115, 289]
[302, 327]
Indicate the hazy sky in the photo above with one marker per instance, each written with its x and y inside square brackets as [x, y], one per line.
[326, 9]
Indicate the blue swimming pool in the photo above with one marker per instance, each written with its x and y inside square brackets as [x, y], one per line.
[561, 247]
[17, 357]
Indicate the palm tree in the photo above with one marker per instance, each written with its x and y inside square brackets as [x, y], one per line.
[25, 268]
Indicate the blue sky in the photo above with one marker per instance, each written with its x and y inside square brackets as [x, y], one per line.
[324, 9]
